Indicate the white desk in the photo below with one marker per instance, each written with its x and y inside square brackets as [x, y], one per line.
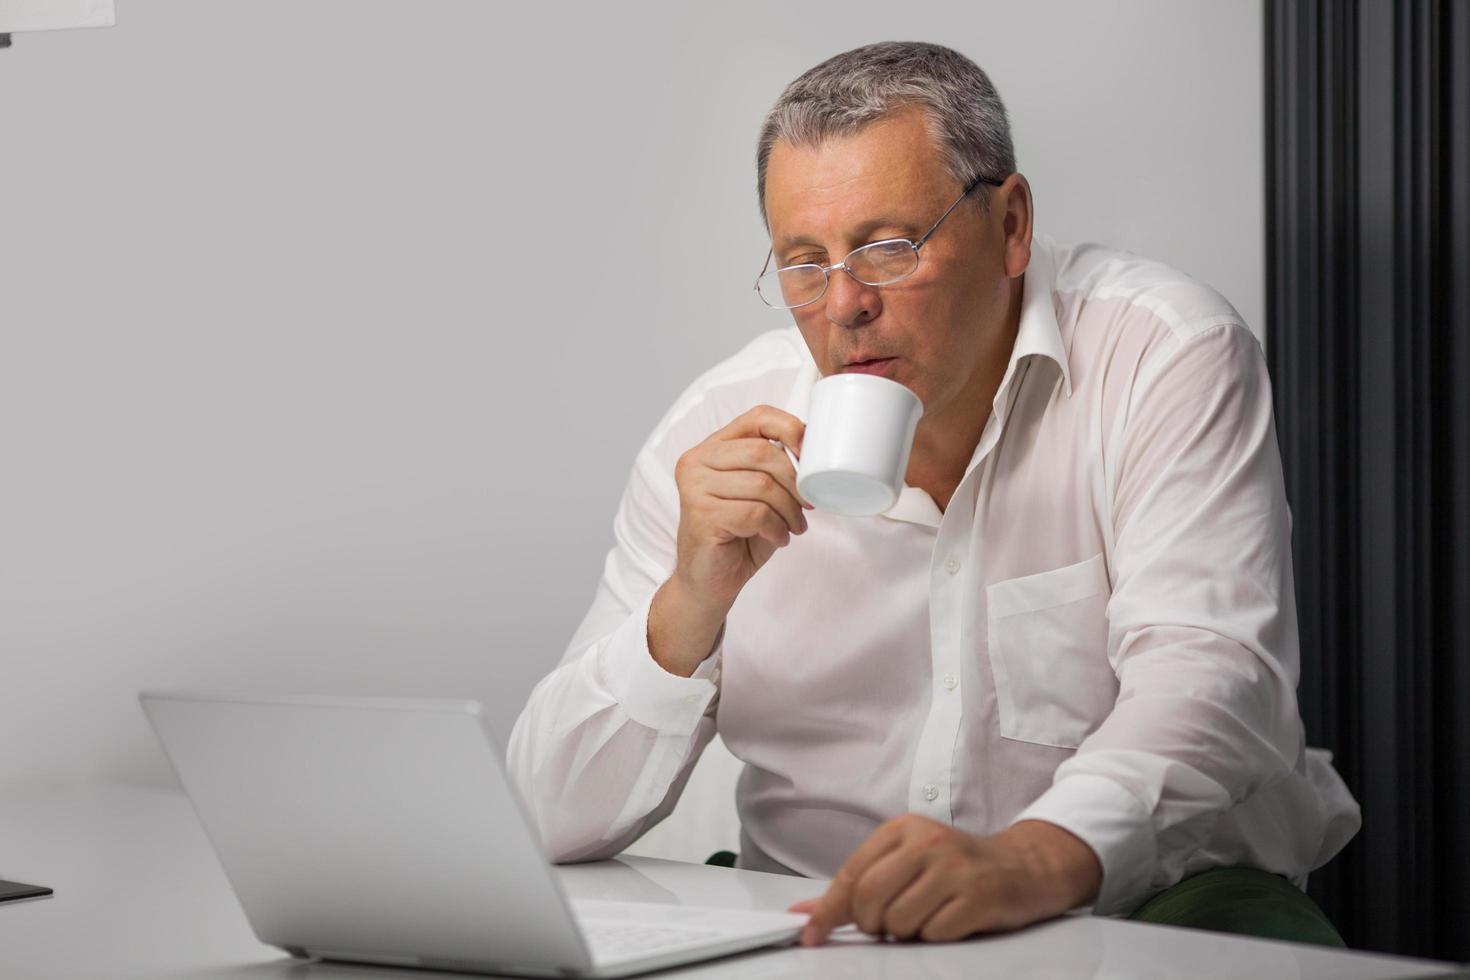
[140, 895]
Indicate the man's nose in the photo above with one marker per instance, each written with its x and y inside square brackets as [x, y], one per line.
[849, 302]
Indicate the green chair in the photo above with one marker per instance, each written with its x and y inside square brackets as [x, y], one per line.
[1245, 901]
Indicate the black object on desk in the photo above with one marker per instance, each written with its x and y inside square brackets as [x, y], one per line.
[15, 889]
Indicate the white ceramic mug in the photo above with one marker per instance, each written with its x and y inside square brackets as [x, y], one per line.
[859, 430]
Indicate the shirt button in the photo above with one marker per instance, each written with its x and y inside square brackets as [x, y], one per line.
[952, 565]
[950, 682]
[930, 792]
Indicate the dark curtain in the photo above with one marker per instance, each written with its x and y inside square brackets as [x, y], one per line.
[1368, 305]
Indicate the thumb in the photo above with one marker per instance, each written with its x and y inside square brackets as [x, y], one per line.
[804, 907]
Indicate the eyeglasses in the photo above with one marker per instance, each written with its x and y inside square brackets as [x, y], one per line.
[875, 264]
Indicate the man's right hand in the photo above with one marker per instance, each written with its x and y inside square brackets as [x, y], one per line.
[737, 504]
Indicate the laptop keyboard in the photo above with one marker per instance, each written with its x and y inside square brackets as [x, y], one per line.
[620, 939]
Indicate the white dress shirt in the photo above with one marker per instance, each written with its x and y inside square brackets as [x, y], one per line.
[1099, 631]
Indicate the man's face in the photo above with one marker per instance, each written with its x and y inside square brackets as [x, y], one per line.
[941, 327]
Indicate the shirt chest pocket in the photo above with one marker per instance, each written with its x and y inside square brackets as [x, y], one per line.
[1048, 637]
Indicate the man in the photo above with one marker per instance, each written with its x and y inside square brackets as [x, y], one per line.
[1061, 671]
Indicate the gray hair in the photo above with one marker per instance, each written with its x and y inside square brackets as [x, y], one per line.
[847, 92]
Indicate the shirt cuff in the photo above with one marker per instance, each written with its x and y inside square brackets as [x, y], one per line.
[1111, 821]
[650, 695]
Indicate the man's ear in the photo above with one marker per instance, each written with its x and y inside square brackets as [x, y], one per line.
[1013, 198]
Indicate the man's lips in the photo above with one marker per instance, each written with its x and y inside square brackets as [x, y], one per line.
[875, 365]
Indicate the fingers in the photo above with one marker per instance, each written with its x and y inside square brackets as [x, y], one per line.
[955, 919]
[755, 455]
[804, 907]
[916, 878]
[828, 912]
[879, 888]
[753, 485]
[752, 470]
[901, 896]
[911, 911]
[767, 422]
[925, 906]
[835, 907]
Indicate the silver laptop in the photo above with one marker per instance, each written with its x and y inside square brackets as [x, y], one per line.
[384, 830]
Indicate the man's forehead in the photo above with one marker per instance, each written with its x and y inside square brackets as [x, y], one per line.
[884, 173]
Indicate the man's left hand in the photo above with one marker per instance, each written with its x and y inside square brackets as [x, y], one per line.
[916, 878]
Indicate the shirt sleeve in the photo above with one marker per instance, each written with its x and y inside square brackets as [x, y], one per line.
[608, 739]
[1202, 622]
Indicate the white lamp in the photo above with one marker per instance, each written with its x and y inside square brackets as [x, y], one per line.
[51, 15]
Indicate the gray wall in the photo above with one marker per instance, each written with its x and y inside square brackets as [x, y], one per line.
[329, 330]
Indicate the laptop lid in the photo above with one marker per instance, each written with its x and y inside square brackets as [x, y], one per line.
[381, 829]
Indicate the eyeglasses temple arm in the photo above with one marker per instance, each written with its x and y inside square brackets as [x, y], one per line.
[766, 264]
[968, 188]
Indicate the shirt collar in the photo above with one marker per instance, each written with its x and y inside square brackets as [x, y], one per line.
[1038, 336]
[1038, 333]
